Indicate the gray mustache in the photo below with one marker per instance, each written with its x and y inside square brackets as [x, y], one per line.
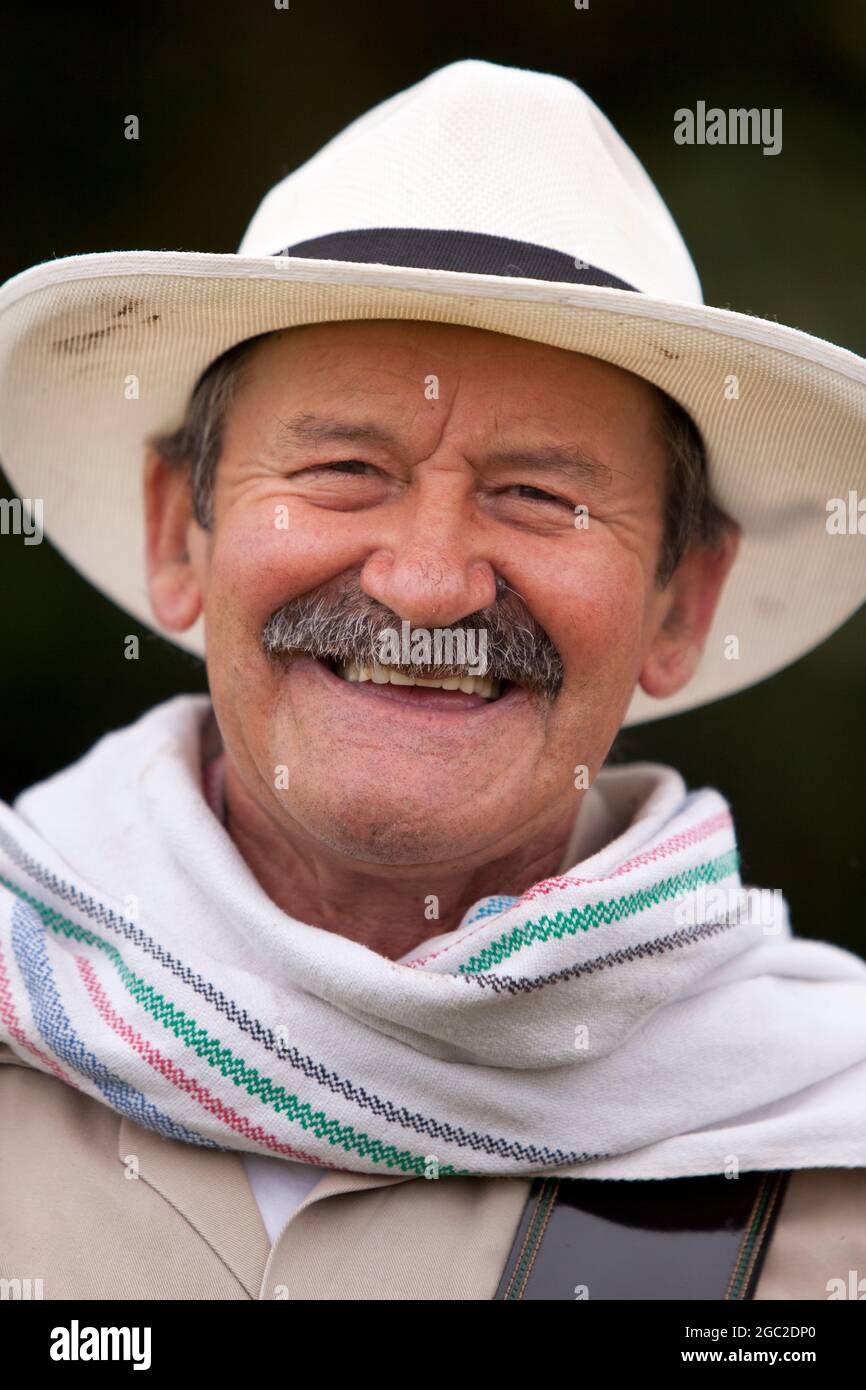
[345, 624]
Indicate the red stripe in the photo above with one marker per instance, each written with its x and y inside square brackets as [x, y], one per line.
[702, 831]
[13, 1023]
[178, 1077]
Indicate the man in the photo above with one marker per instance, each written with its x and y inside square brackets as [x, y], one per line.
[449, 475]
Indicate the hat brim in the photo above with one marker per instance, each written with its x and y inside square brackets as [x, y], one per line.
[73, 331]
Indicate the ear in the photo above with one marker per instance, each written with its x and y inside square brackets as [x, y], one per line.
[691, 599]
[173, 579]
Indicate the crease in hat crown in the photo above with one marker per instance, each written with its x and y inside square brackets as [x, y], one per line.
[460, 151]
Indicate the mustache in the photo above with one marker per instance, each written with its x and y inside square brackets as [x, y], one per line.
[339, 622]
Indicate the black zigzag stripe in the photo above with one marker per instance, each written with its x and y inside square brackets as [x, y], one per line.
[312, 1070]
[512, 984]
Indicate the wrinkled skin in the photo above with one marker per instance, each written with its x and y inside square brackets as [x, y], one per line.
[389, 802]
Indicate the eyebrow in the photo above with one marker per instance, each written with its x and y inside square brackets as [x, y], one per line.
[316, 429]
[572, 461]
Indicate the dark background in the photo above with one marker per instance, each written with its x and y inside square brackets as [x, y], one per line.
[233, 96]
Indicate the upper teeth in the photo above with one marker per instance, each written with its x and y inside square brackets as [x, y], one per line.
[485, 686]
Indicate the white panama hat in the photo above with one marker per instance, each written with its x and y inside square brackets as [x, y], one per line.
[489, 196]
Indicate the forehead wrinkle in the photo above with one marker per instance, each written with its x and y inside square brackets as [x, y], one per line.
[307, 428]
[571, 460]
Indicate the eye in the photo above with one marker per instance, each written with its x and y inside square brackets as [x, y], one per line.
[536, 494]
[351, 467]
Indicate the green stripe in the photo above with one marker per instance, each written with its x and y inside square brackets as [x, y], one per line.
[600, 913]
[545, 1200]
[224, 1060]
[272, 1094]
[745, 1254]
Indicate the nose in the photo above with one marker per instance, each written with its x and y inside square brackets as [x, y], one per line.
[431, 570]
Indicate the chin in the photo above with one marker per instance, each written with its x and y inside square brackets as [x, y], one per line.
[389, 837]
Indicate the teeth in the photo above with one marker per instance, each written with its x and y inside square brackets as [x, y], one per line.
[485, 686]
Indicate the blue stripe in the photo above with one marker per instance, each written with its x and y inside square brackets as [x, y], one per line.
[28, 943]
[487, 907]
[310, 1068]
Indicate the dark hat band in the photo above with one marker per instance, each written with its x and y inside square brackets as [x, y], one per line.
[475, 253]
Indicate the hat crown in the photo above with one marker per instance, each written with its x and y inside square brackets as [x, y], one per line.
[502, 151]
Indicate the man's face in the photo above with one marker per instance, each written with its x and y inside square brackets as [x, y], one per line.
[414, 463]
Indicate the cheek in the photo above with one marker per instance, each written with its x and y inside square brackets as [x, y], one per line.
[594, 610]
[261, 558]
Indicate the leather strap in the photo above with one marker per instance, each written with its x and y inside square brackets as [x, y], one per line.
[676, 1238]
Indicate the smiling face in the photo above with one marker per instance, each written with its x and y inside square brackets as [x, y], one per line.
[386, 472]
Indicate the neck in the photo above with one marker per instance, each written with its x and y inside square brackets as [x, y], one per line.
[389, 908]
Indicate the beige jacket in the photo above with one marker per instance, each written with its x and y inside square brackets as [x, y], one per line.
[97, 1207]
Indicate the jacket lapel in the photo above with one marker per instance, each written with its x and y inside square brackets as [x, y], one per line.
[209, 1188]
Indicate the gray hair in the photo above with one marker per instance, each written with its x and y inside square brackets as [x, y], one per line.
[691, 515]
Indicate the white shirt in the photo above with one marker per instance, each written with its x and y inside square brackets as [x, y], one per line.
[279, 1186]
